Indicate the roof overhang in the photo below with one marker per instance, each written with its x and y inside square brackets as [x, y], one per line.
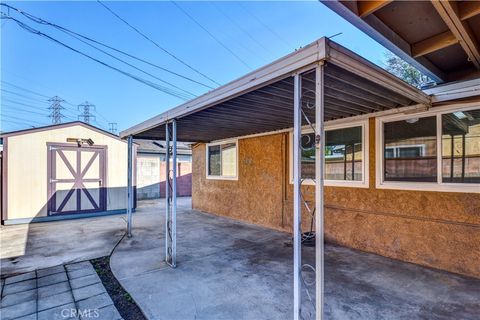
[439, 38]
[262, 100]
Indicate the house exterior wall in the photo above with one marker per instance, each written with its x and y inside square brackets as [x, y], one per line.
[434, 229]
[27, 176]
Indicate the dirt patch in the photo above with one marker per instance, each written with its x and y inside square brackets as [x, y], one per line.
[124, 303]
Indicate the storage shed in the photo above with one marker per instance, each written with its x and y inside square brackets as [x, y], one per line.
[63, 171]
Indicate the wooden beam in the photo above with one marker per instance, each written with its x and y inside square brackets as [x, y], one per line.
[434, 43]
[368, 7]
[448, 10]
[468, 9]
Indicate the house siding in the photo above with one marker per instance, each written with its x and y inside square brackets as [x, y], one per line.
[434, 229]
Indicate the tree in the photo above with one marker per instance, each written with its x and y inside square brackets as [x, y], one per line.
[405, 71]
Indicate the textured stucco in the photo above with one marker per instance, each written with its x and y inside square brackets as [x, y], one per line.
[435, 229]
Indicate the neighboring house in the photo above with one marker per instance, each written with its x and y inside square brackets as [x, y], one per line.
[151, 169]
[69, 170]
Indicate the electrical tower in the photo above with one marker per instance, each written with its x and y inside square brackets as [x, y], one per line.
[112, 127]
[86, 116]
[56, 109]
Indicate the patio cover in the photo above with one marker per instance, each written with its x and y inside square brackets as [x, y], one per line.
[262, 101]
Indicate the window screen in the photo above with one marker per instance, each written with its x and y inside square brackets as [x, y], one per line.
[461, 147]
[410, 150]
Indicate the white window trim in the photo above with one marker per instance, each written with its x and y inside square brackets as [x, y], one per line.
[364, 183]
[210, 177]
[421, 186]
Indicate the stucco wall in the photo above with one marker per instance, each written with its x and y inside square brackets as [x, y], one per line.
[435, 229]
[27, 169]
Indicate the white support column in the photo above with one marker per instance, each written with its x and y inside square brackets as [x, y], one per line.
[297, 209]
[167, 192]
[319, 165]
[173, 225]
[129, 185]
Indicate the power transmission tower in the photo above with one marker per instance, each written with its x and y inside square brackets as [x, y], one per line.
[112, 127]
[86, 116]
[56, 109]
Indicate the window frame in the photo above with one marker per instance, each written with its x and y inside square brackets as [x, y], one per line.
[217, 143]
[439, 185]
[365, 182]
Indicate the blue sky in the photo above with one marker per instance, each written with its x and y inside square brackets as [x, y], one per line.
[257, 32]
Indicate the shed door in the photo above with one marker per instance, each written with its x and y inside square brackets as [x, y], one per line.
[76, 179]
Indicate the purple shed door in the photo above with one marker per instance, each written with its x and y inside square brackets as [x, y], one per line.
[76, 181]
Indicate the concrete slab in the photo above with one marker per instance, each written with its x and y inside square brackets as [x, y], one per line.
[232, 270]
[81, 273]
[20, 277]
[67, 311]
[84, 281]
[52, 279]
[53, 289]
[107, 313]
[54, 297]
[17, 298]
[88, 291]
[18, 310]
[35, 246]
[50, 271]
[95, 302]
[55, 300]
[19, 286]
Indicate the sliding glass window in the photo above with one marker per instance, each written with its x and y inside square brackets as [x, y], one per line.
[461, 147]
[410, 148]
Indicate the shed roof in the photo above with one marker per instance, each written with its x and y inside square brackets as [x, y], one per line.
[440, 38]
[262, 100]
[58, 126]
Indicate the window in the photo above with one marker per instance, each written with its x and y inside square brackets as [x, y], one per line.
[461, 147]
[345, 152]
[222, 160]
[410, 150]
[437, 150]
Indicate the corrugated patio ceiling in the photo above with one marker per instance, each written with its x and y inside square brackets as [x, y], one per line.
[262, 101]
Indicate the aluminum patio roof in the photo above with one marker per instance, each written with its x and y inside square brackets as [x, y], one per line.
[440, 38]
[262, 101]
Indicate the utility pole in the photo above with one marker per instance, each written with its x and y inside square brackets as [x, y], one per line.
[56, 109]
[112, 127]
[86, 116]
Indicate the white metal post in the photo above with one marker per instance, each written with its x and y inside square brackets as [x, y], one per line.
[167, 191]
[129, 185]
[297, 250]
[173, 226]
[319, 177]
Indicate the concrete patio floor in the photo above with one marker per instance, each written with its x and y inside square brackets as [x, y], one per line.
[233, 270]
[28, 247]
